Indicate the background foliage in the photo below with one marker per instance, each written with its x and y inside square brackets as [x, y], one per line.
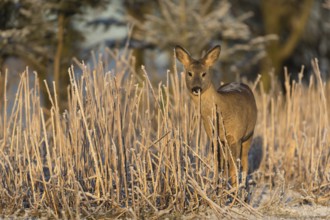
[111, 139]
[256, 36]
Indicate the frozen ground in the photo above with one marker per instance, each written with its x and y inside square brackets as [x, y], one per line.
[275, 204]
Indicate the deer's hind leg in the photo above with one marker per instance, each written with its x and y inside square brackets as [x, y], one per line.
[245, 157]
[234, 167]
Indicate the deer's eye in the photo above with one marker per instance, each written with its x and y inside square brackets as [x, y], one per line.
[190, 74]
[203, 74]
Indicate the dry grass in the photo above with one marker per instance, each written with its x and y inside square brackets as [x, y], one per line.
[126, 148]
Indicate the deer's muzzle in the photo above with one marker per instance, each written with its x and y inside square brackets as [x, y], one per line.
[196, 90]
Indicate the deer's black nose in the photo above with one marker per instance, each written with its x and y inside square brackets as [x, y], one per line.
[196, 90]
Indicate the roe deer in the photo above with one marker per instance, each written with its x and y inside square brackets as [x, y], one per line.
[233, 101]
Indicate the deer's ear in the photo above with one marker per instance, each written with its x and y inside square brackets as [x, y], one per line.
[183, 55]
[211, 56]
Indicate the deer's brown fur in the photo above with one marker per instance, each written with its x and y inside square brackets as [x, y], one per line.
[234, 102]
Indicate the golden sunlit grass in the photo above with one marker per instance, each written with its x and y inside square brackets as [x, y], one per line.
[127, 148]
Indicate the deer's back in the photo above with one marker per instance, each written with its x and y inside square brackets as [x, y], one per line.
[238, 108]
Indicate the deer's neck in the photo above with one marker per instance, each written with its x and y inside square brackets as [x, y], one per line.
[208, 100]
[209, 103]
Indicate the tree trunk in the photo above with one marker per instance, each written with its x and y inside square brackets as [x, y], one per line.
[294, 24]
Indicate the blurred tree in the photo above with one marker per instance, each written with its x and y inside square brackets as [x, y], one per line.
[327, 4]
[314, 43]
[21, 36]
[137, 9]
[20, 23]
[44, 36]
[198, 24]
[302, 28]
[286, 19]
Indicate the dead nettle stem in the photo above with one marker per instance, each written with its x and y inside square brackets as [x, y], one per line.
[122, 148]
[5, 102]
[99, 182]
[136, 150]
